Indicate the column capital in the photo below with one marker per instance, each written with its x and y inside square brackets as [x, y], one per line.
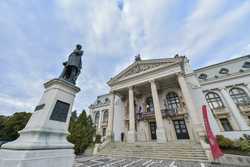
[180, 74]
[151, 81]
[131, 87]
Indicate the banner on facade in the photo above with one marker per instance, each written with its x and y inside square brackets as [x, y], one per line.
[215, 149]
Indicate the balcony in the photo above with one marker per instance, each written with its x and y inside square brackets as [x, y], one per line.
[170, 113]
[166, 113]
[105, 123]
[220, 112]
[244, 108]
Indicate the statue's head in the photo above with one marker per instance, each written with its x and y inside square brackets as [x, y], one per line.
[78, 47]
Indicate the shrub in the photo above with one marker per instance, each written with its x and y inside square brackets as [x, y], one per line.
[245, 145]
[98, 138]
[224, 142]
[81, 132]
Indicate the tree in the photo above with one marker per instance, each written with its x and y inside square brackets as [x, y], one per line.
[81, 132]
[9, 126]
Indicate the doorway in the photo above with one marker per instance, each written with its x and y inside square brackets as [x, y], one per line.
[181, 129]
[152, 126]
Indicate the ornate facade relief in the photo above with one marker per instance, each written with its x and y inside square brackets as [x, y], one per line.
[141, 68]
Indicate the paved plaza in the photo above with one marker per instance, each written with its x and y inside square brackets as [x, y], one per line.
[106, 161]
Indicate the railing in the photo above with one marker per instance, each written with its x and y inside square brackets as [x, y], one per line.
[244, 108]
[105, 122]
[165, 114]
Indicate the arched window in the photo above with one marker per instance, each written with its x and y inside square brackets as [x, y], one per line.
[239, 96]
[107, 100]
[203, 76]
[224, 71]
[173, 101]
[214, 100]
[97, 116]
[105, 116]
[150, 104]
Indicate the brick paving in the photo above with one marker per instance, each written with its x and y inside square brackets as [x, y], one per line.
[108, 161]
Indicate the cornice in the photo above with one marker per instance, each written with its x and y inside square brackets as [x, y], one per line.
[131, 77]
[224, 78]
[246, 57]
[150, 61]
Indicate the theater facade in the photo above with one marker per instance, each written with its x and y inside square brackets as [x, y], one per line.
[160, 100]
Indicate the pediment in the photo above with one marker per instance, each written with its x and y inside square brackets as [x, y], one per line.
[143, 66]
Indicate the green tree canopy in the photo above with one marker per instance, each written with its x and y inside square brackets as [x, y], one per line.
[9, 126]
[81, 132]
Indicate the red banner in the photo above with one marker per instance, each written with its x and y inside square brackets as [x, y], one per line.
[215, 149]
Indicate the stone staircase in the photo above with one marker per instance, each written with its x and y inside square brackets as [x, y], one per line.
[170, 150]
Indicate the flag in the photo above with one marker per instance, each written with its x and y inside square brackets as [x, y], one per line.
[215, 149]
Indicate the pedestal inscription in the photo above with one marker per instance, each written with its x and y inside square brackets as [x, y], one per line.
[60, 111]
[39, 107]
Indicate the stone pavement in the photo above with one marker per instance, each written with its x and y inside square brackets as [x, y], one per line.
[107, 161]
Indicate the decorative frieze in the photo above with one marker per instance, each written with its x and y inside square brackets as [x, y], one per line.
[140, 68]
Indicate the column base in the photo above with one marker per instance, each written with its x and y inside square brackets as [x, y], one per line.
[131, 136]
[161, 136]
[37, 158]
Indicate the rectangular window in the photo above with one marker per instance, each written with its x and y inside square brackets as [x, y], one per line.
[226, 124]
[104, 132]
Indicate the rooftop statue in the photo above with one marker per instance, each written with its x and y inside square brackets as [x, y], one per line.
[72, 67]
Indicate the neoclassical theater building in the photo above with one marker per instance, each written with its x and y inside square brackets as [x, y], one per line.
[161, 100]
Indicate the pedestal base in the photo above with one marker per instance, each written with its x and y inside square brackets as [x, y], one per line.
[37, 158]
[131, 136]
[161, 136]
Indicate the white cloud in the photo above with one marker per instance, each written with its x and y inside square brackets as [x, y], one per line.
[111, 38]
[206, 27]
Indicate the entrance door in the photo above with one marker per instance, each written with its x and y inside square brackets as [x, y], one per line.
[153, 130]
[181, 129]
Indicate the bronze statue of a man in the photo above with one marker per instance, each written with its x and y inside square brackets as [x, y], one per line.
[72, 67]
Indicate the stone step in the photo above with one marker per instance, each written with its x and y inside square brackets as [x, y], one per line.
[161, 152]
[201, 158]
[185, 151]
[165, 154]
[146, 148]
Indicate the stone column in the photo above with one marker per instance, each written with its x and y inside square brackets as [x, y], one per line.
[248, 86]
[99, 131]
[160, 132]
[197, 125]
[131, 132]
[235, 111]
[111, 116]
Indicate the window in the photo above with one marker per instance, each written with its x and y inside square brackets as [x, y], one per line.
[214, 101]
[150, 104]
[246, 64]
[203, 76]
[97, 116]
[173, 101]
[224, 71]
[239, 96]
[105, 116]
[225, 124]
[107, 100]
[104, 132]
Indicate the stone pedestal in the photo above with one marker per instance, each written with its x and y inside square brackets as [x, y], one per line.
[43, 141]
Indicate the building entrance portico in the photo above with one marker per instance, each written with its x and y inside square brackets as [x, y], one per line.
[153, 109]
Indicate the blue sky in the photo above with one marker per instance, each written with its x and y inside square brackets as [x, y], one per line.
[37, 36]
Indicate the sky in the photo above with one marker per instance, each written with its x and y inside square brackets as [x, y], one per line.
[37, 36]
